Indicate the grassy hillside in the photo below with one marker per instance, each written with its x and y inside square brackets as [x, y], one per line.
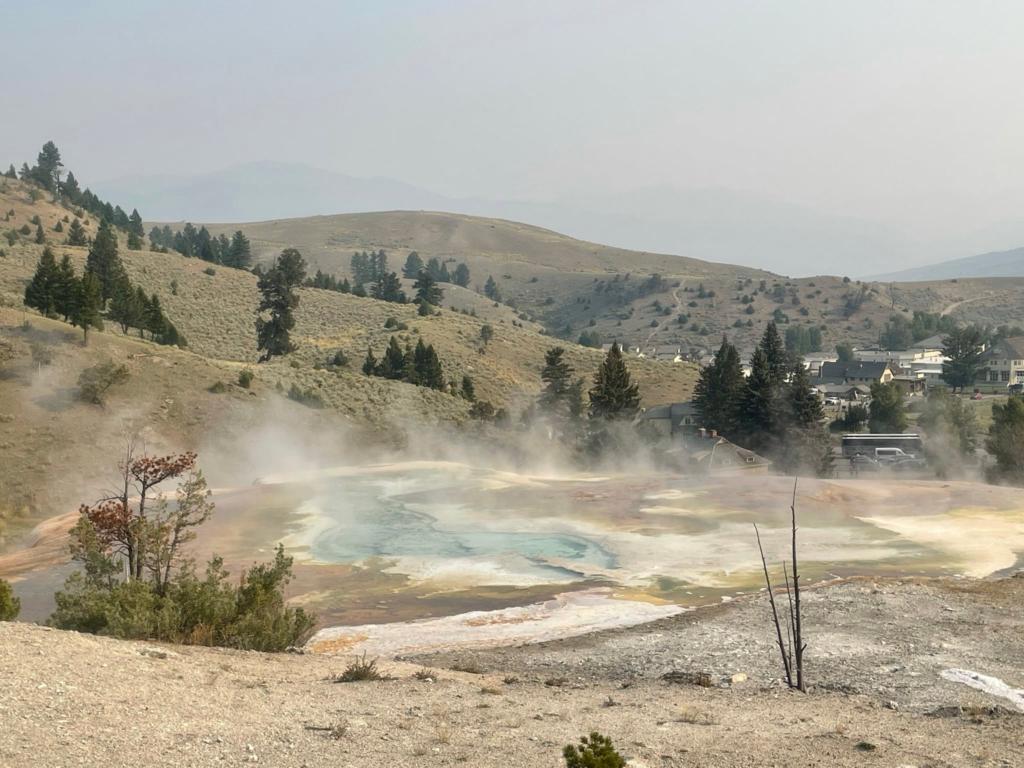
[570, 286]
[170, 388]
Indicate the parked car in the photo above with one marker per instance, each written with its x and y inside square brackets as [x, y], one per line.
[833, 401]
[976, 396]
[906, 463]
[1016, 388]
[861, 463]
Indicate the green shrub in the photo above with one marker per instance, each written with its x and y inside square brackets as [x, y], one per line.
[595, 752]
[10, 605]
[307, 397]
[209, 271]
[35, 220]
[194, 611]
[340, 359]
[174, 287]
[58, 227]
[219, 388]
[245, 377]
[361, 670]
[26, 229]
[425, 309]
[12, 237]
[94, 382]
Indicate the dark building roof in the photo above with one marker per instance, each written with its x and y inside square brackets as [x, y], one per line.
[715, 455]
[1007, 349]
[854, 370]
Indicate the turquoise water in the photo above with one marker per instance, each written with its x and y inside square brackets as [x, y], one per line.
[369, 524]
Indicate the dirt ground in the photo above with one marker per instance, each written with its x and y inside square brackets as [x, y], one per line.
[875, 653]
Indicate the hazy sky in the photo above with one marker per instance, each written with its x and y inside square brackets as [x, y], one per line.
[908, 112]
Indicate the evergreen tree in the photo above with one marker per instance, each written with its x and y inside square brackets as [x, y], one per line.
[11, 173]
[48, 167]
[359, 291]
[103, 260]
[362, 272]
[135, 224]
[845, 353]
[156, 322]
[426, 367]
[134, 241]
[120, 219]
[389, 288]
[26, 172]
[1006, 438]
[443, 276]
[434, 268]
[41, 292]
[887, 413]
[554, 400]
[143, 304]
[805, 437]
[88, 304]
[805, 408]
[370, 363]
[775, 355]
[427, 291]
[757, 411]
[40, 235]
[413, 265]
[468, 390]
[393, 364]
[278, 288]
[65, 289]
[77, 235]
[461, 276]
[719, 391]
[71, 189]
[240, 253]
[613, 396]
[964, 360]
[491, 290]
[223, 250]
[205, 247]
[124, 306]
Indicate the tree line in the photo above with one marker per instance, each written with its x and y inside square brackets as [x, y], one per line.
[234, 252]
[104, 288]
[48, 174]
[772, 411]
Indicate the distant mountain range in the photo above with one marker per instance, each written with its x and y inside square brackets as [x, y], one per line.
[995, 264]
[712, 224]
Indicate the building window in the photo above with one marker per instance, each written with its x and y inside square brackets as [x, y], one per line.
[1005, 376]
[993, 375]
[981, 375]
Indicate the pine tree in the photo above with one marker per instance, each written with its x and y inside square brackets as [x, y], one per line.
[413, 265]
[135, 224]
[964, 360]
[718, 394]
[614, 397]
[11, 173]
[434, 268]
[41, 292]
[805, 408]
[757, 411]
[800, 423]
[468, 390]
[48, 167]
[887, 411]
[393, 364]
[240, 253]
[124, 306]
[556, 374]
[461, 276]
[103, 260]
[427, 291]
[65, 289]
[370, 363]
[77, 235]
[88, 305]
[142, 302]
[278, 288]
[491, 289]
[40, 235]
[443, 276]
[775, 354]
[134, 241]
[359, 291]
[389, 288]
[156, 322]
[71, 189]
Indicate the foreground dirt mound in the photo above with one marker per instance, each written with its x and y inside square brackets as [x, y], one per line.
[71, 699]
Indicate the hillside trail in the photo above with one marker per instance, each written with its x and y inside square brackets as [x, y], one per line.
[956, 304]
[677, 304]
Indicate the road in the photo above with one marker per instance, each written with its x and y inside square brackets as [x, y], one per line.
[663, 323]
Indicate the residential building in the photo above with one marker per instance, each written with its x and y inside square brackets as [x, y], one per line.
[705, 453]
[814, 360]
[1004, 363]
[858, 372]
[672, 420]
